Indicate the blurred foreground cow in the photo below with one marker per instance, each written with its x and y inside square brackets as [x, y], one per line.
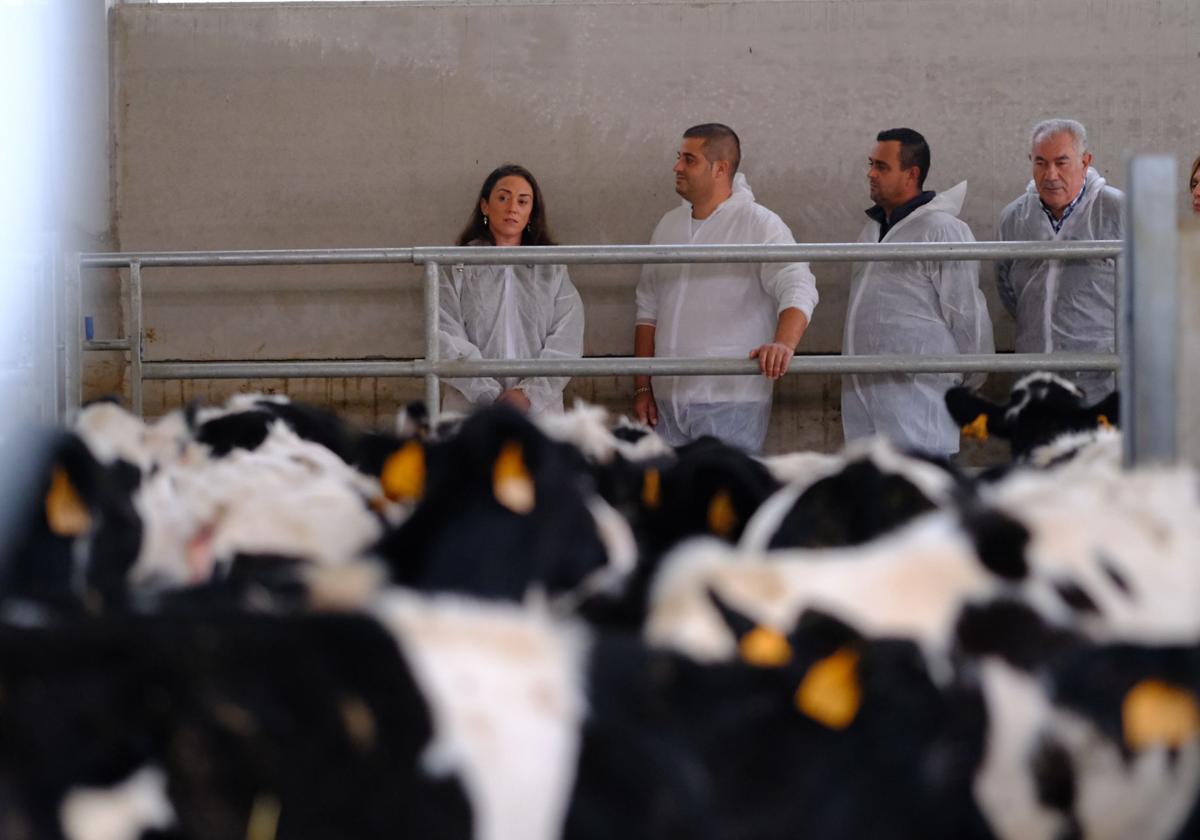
[444, 718]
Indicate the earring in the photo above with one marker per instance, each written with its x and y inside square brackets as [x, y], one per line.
[485, 220]
[529, 228]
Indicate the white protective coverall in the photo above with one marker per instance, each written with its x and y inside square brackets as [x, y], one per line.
[1064, 305]
[719, 310]
[508, 312]
[913, 308]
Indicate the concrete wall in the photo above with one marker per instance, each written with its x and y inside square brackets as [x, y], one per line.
[310, 125]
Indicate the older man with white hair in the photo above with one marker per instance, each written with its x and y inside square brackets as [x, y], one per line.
[1063, 305]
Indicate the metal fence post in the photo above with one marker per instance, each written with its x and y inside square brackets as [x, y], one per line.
[431, 340]
[1149, 390]
[69, 337]
[135, 337]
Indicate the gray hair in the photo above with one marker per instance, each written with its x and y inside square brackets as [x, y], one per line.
[1049, 128]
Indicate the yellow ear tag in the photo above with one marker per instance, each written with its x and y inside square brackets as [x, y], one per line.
[1102, 422]
[977, 428]
[1157, 713]
[511, 483]
[66, 514]
[651, 489]
[765, 648]
[830, 693]
[263, 823]
[722, 518]
[403, 477]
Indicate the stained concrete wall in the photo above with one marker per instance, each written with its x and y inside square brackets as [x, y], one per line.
[309, 125]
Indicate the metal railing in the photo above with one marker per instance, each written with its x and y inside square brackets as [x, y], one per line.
[433, 369]
[1147, 215]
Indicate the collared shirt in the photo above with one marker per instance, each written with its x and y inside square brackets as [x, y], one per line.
[886, 223]
[1058, 223]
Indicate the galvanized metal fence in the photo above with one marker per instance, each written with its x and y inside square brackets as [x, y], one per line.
[432, 368]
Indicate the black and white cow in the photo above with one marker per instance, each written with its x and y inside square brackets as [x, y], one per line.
[1041, 407]
[501, 510]
[443, 717]
[872, 490]
[416, 719]
[1084, 740]
[71, 530]
[1108, 554]
[708, 489]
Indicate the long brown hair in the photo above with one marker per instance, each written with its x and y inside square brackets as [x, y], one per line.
[537, 232]
[1195, 171]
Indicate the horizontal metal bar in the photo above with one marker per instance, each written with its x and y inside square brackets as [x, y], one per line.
[627, 366]
[832, 252]
[107, 344]
[620, 366]
[621, 254]
[280, 370]
[320, 256]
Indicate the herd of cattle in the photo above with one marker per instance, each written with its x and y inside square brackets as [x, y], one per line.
[256, 621]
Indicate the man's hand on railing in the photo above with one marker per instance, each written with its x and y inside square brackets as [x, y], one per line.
[644, 408]
[773, 359]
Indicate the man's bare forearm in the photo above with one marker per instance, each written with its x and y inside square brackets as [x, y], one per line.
[791, 327]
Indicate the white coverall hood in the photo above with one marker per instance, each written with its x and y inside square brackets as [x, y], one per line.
[913, 308]
[1064, 306]
[508, 312]
[719, 310]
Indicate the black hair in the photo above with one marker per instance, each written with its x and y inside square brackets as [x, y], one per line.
[720, 143]
[914, 151]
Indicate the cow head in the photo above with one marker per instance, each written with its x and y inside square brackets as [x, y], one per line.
[1040, 408]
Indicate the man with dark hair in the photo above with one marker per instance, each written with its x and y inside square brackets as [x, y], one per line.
[718, 310]
[914, 151]
[910, 308]
[720, 143]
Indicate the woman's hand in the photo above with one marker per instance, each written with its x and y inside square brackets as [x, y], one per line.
[514, 397]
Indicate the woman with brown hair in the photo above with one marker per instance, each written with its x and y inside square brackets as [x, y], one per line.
[509, 311]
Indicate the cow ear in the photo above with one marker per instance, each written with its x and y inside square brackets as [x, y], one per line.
[831, 692]
[1156, 713]
[404, 472]
[762, 647]
[976, 416]
[66, 514]
[512, 485]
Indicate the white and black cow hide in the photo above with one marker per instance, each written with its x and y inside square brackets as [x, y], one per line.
[870, 489]
[1041, 407]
